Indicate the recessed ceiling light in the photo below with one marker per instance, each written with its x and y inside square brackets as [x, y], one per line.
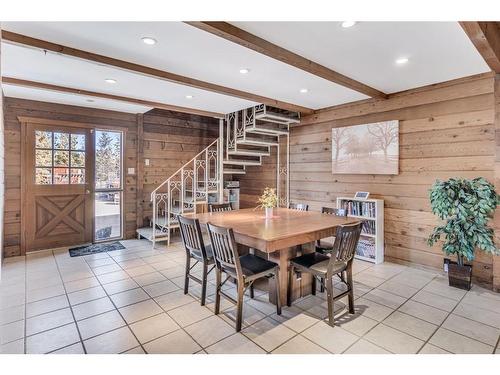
[149, 41]
[90, 100]
[347, 24]
[304, 91]
[402, 60]
[189, 96]
[110, 80]
[244, 70]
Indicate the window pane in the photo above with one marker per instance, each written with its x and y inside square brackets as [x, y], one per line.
[108, 160]
[77, 159]
[61, 175]
[78, 142]
[61, 158]
[107, 215]
[43, 139]
[43, 158]
[43, 176]
[61, 140]
[77, 175]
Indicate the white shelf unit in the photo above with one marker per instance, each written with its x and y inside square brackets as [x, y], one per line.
[232, 195]
[371, 211]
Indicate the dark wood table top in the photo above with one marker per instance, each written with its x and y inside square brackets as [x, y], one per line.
[285, 229]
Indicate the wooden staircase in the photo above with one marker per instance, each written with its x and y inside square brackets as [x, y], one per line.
[246, 137]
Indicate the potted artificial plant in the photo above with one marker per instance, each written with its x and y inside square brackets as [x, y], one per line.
[268, 200]
[466, 206]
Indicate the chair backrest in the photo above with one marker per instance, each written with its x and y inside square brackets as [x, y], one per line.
[225, 250]
[220, 207]
[346, 242]
[299, 206]
[333, 211]
[192, 237]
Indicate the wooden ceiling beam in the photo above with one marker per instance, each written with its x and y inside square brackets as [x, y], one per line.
[486, 38]
[243, 38]
[148, 71]
[70, 90]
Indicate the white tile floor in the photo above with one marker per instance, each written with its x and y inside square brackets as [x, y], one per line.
[131, 301]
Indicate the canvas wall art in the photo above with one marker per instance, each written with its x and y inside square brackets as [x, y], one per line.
[366, 149]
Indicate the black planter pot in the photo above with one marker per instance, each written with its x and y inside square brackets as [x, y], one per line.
[459, 276]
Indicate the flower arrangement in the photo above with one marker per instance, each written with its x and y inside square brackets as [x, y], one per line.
[268, 199]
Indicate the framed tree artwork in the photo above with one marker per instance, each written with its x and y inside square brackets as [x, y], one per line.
[366, 149]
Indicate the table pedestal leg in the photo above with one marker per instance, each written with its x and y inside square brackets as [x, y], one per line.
[299, 287]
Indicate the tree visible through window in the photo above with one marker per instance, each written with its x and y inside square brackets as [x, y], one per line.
[108, 160]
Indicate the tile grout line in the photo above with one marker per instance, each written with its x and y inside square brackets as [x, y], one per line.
[69, 304]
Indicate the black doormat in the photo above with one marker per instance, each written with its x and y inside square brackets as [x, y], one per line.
[96, 248]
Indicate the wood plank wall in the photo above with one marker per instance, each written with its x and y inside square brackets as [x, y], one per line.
[170, 140]
[180, 133]
[446, 130]
[2, 162]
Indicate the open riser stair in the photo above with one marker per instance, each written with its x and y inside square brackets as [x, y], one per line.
[246, 137]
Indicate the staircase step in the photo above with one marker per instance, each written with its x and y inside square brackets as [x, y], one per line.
[258, 140]
[147, 233]
[241, 162]
[234, 171]
[268, 128]
[249, 153]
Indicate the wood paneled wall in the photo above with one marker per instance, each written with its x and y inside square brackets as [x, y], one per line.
[446, 130]
[2, 162]
[170, 140]
[178, 134]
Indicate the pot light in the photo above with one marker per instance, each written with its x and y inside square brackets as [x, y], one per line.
[90, 100]
[189, 96]
[244, 70]
[402, 60]
[347, 24]
[304, 91]
[110, 80]
[149, 41]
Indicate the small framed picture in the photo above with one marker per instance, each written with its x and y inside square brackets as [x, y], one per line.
[361, 195]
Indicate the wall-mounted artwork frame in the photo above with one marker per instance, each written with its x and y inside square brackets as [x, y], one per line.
[366, 149]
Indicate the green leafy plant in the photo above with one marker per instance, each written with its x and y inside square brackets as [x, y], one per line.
[467, 206]
[268, 199]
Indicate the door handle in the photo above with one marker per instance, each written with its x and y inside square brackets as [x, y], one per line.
[87, 191]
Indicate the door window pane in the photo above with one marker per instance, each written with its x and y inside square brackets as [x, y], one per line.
[61, 176]
[108, 159]
[61, 158]
[107, 215]
[77, 159]
[61, 141]
[77, 176]
[43, 158]
[43, 139]
[43, 176]
[78, 142]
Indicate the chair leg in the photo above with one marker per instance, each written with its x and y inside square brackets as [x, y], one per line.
[289, 289]
[313, 285]
[322, 286]
[329, 299]
[351, 290]
[252, 295]
[277, 291]
[204, 283]
[239, 313]
[186, 274]
[217, 290]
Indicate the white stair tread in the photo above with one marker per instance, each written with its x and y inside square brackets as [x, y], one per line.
[147, 232]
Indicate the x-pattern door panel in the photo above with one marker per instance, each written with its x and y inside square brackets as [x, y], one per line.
[59, 168]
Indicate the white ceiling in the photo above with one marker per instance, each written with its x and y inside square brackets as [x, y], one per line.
[438, 51]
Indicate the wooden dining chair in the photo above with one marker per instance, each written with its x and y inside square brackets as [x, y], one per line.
[299, 206]
[324, 246]
[192, 239]
[243, 269]
[324, 268]
[220, 207]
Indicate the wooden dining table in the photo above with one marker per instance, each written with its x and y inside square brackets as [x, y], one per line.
[279, 238]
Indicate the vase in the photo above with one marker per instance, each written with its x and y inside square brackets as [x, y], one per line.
[269, 212]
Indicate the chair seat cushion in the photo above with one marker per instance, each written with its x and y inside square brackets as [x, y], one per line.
[318, 263]
[197, 254]
[253, 265]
